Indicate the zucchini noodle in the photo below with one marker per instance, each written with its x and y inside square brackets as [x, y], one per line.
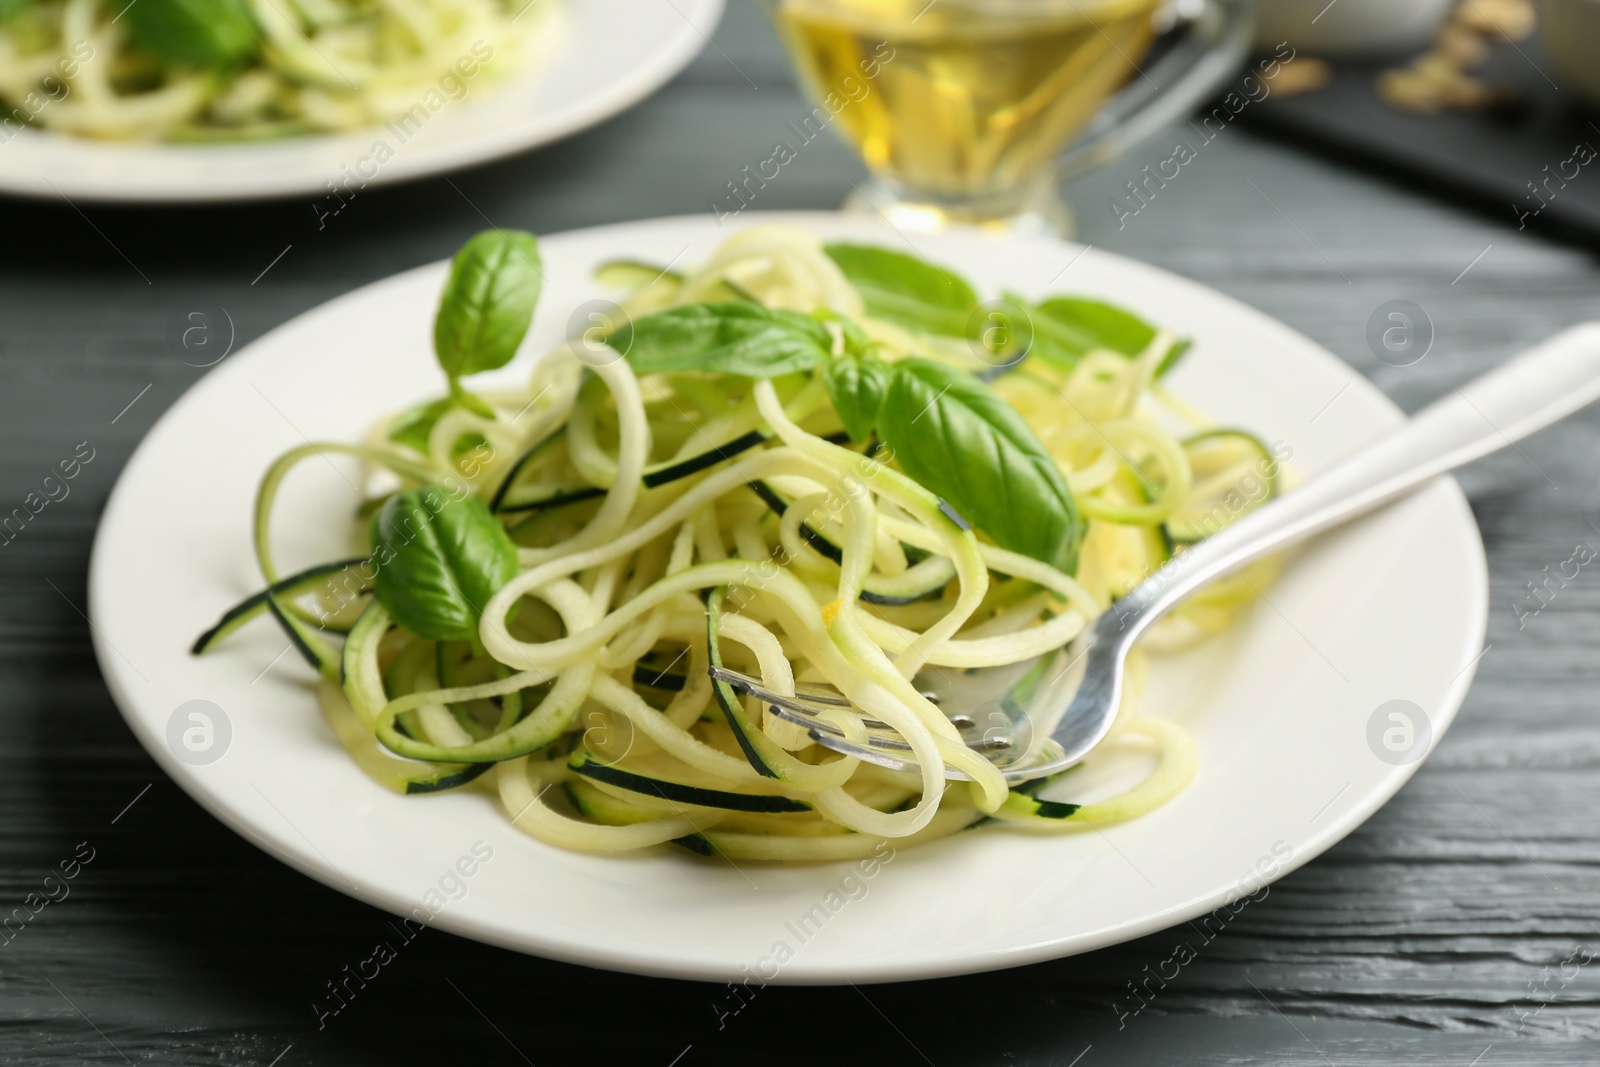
[667, 523]
[291, 67]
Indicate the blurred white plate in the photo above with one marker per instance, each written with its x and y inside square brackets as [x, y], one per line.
[594, 59]
[1283, 706]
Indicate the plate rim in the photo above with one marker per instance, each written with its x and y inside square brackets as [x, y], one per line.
[641, 959]
[34, 181]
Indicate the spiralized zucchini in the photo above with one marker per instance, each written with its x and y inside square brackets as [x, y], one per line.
[206, 70]
[664, 522]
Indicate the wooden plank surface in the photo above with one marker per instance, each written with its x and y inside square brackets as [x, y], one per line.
[1448, 930]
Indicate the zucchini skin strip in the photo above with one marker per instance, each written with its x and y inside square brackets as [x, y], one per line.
[653, 478]
[770, 497]
[516, 469]
[679, 793]
[695, 464]
[314, 650]
[445, 782]
[727, 700]
[257, 603]
[573, 496]
[760, 751]
[829, 550]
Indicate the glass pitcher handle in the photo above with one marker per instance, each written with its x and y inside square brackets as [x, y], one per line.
[1211, 39]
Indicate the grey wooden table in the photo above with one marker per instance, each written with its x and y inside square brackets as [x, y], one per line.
[1454, 928]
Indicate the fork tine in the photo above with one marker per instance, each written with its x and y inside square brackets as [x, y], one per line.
[808, 710]
[747, 684]
[802, 702]
[805, 709]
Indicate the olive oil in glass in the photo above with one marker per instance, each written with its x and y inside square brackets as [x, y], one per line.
[959, 106]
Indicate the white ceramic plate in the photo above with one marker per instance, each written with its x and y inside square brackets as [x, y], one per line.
[594, 59]
[1392, 608]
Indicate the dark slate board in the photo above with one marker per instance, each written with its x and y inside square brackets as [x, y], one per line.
[1484, 159]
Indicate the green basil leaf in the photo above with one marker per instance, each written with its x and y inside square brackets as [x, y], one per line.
[907, 290]
[728, 337]
[960, 440]
[1065, 328]
[856, 385]
[413, 427]
[439, 561]
[488, 301]
[200, 33]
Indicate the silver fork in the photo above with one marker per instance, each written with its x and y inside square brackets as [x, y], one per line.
[997, 710]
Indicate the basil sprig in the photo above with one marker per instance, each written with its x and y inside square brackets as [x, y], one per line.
[484, 314]
[487, 307]
[948, 430]
[197, 33]
[439, 557]
[961, 441]
[727, 337]
[438, 561]
[923, 296]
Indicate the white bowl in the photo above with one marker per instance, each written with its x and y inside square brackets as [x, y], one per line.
[1351, 28]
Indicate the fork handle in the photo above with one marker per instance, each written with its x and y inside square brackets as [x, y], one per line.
[1542, 385]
